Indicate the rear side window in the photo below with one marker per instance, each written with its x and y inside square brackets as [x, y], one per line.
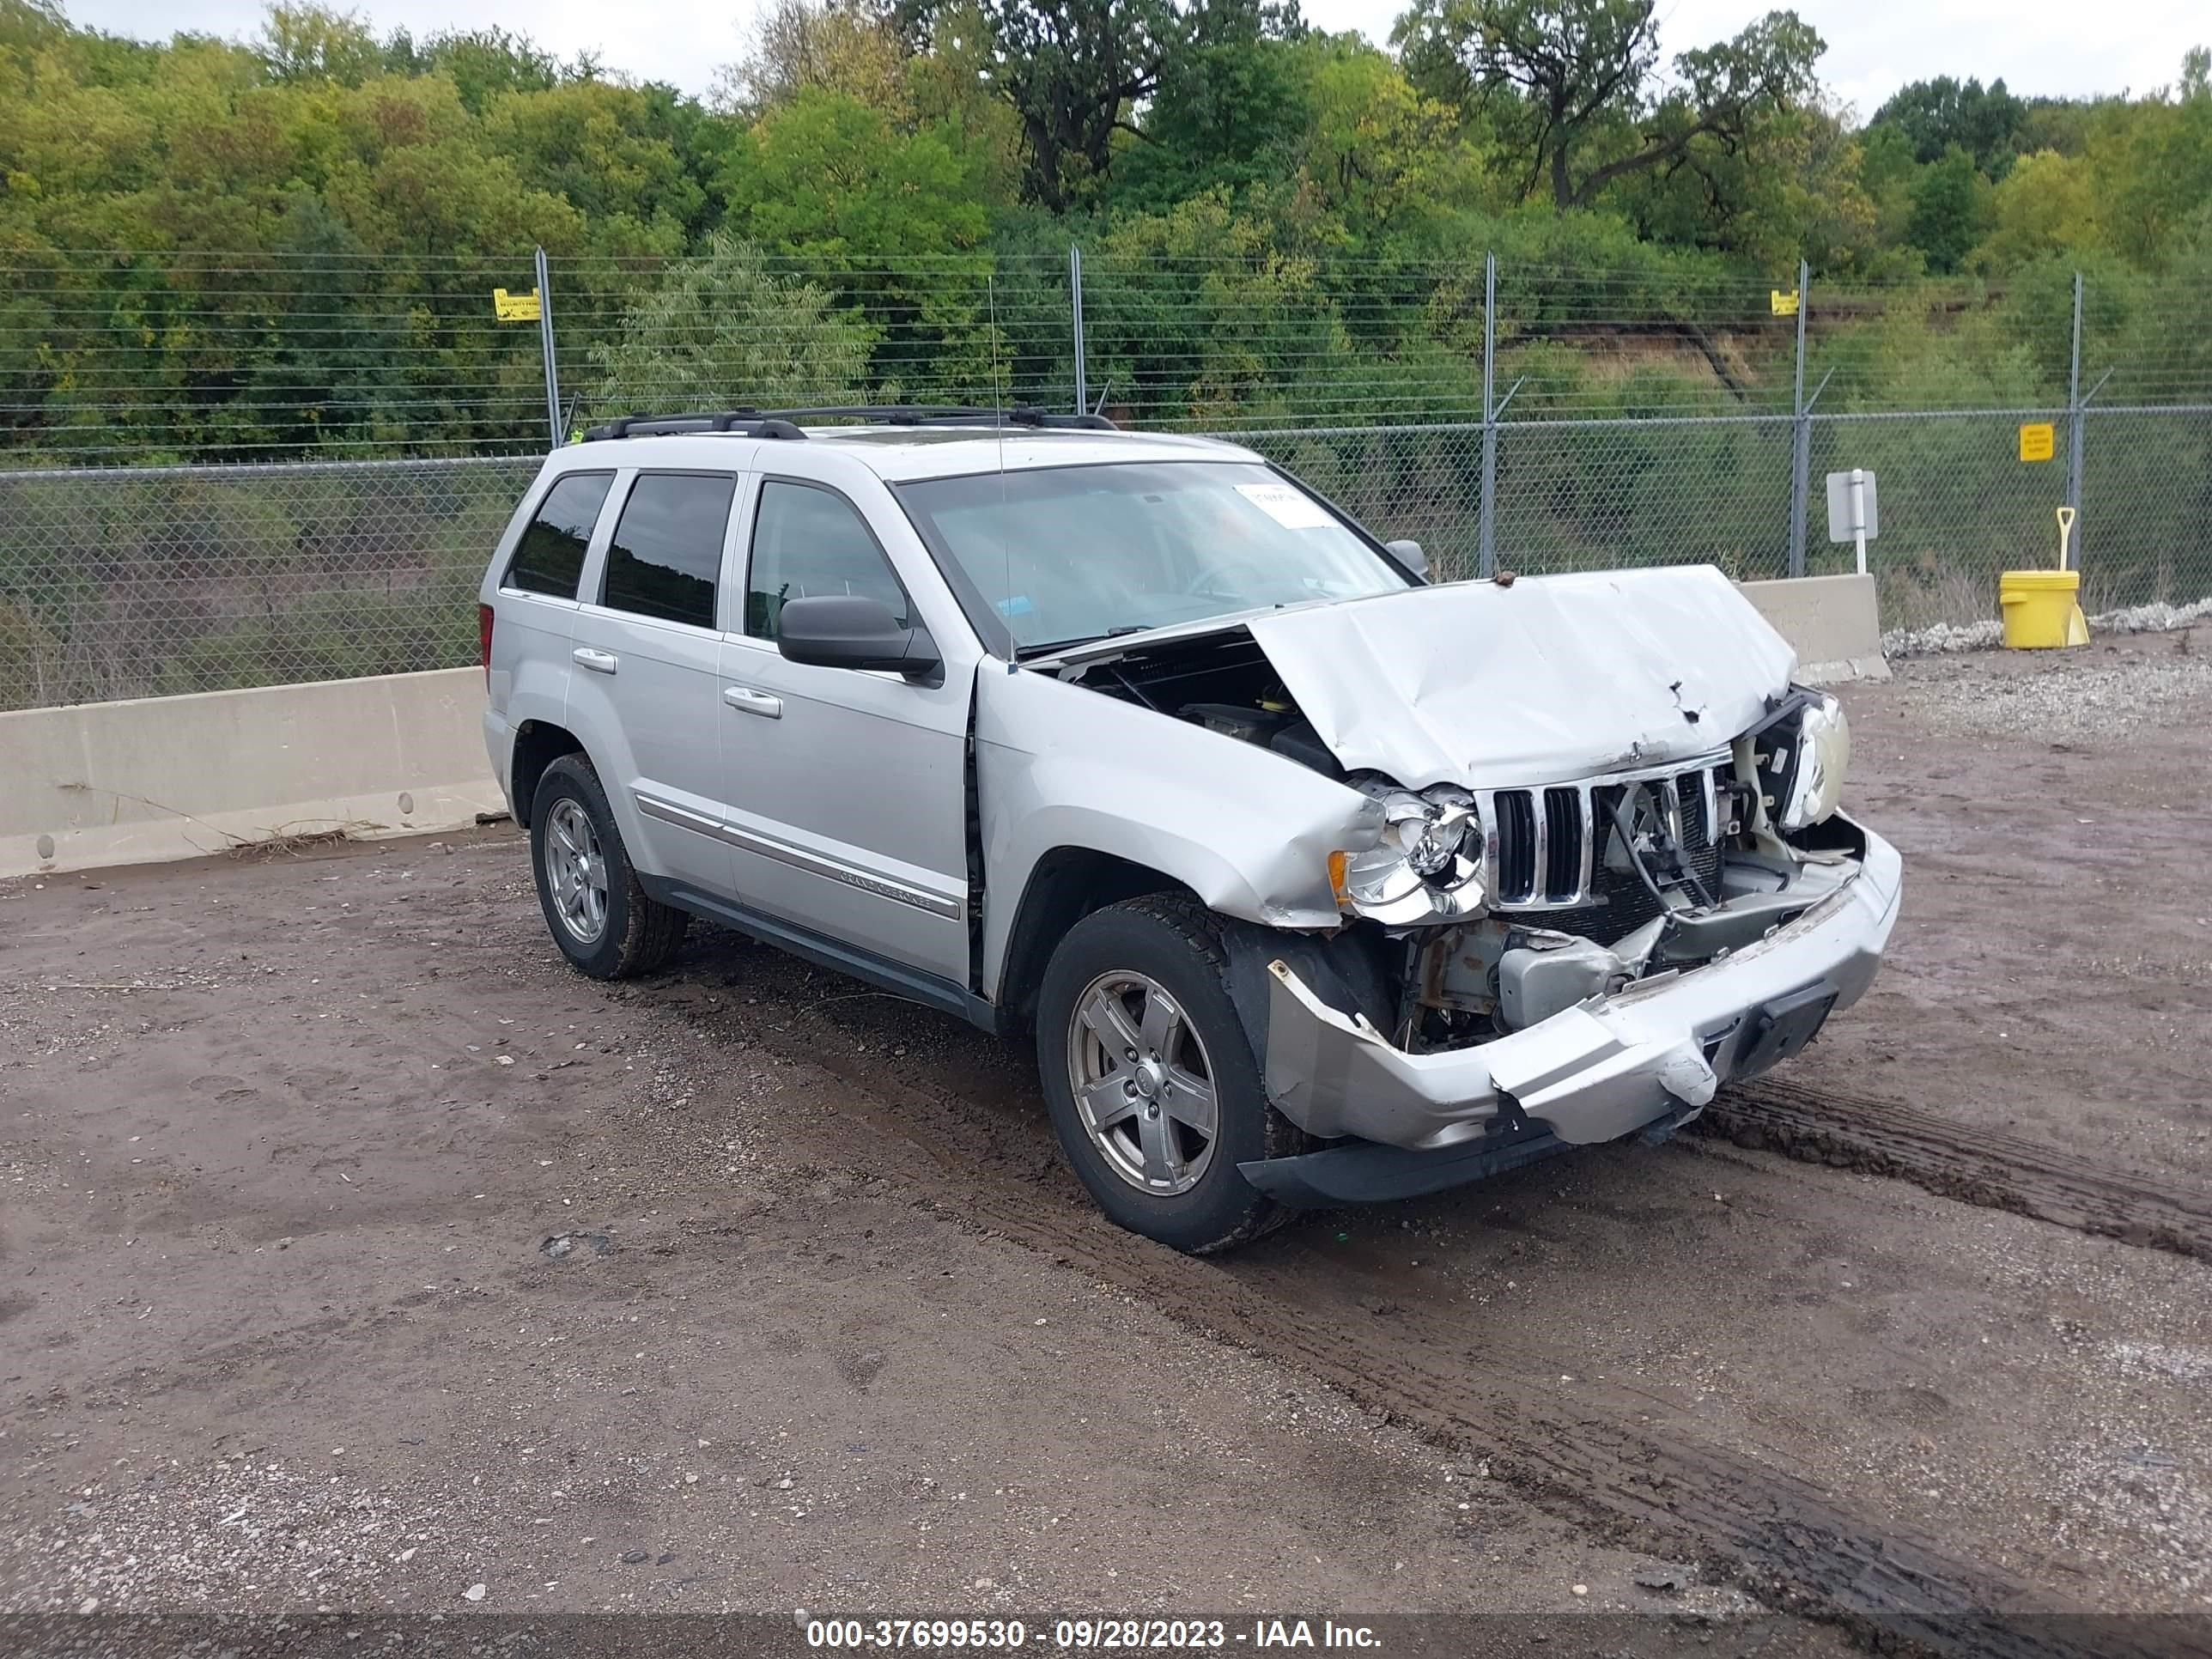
[667, 549]
[807, 541]
[550, 557]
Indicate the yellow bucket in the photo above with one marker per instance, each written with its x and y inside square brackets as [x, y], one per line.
[2041, 609]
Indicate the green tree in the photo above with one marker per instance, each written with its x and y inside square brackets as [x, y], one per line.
[723, 331]
[1575, 77]
[614, 152]
[827, 180]
[2046, 204]
[2152, 159]
[33, 24]
[1934, 115]
[1209, 312]
[314, 43]
[1377, 153]
[1790, 190]
[1071, 70]
[850, 46]
[826, 176]
[483, 63]
[1950, 205]
[1229, 111]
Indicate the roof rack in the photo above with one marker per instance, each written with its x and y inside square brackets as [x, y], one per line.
[783, 423]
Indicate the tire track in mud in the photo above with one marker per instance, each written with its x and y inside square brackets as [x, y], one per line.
[1973, 1166]
[1600, 1456]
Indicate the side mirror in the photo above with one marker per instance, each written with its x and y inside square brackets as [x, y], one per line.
[849, 630]
[1409, 554]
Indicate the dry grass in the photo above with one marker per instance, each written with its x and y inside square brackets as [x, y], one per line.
[285, 841]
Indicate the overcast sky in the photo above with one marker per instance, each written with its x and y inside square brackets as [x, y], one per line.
[2058, 47]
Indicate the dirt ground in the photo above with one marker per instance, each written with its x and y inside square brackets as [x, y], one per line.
[353, 1253]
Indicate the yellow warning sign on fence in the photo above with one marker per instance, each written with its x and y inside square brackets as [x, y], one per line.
[2038, 441]
[515, 307]
[1782, 301]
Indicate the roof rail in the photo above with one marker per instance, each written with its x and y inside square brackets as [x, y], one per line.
[949, 415]
[746, 423]
[783, 423]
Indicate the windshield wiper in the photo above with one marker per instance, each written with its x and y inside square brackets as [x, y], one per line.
[1052, 647]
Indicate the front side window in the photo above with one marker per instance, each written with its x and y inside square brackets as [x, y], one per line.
[666, 555]
[1075, 553]
[550, 557]
[808, 542]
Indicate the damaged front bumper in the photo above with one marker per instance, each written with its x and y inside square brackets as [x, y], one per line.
[1650, 1055]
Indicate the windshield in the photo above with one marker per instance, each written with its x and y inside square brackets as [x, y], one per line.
[1070, 554]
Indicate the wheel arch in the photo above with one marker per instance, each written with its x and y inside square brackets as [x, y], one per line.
[538, 745]
[1065, 883]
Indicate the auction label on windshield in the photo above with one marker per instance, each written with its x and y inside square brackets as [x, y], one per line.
[1293, 509]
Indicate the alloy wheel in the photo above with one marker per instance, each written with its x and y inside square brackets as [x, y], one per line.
[576, 872]
[1142, 1083]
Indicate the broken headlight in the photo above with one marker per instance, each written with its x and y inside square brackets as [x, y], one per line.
[1807, 774]
[1426, 866]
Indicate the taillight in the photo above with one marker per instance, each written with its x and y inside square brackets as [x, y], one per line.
[483, 638]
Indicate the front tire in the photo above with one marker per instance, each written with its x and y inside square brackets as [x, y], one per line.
[1151, 1079]
[595, 907]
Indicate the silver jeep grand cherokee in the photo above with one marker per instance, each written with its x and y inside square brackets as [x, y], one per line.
[1314, 882]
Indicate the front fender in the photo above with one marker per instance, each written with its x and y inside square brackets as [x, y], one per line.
[1246, 829]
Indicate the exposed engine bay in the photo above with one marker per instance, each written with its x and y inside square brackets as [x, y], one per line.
[1482, 912]
[1223, 682]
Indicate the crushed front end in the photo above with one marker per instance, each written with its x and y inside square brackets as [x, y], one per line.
[1574, 960]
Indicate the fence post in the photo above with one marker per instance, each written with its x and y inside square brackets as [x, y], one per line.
[1486, 510]
[545, 346]
[1075, 310]
[1801, 448]
[2075, 424]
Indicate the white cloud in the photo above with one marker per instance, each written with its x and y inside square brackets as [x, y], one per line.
[2055, 47]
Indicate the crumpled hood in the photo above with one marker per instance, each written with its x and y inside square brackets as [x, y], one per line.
[1552, 678]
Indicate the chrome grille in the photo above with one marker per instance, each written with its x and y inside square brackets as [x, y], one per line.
[1564, 869]
[1514, 838]
[1540, 847]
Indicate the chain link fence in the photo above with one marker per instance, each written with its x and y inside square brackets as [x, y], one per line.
[2147, 505]
[138, 582]
[320, 465]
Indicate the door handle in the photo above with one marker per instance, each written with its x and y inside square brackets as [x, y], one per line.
[747, 701]
[599, 662]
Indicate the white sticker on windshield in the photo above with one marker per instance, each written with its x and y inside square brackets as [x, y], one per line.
[1293, 509]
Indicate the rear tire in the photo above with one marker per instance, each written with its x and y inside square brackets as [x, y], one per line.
[595, 907]
[1151, 1079]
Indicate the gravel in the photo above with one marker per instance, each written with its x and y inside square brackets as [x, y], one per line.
[268, 1194]
[2095, 694]
[1945, 639]
[203, 1533]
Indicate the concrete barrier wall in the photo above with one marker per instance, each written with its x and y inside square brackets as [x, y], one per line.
[177, 777]
[1834, 623]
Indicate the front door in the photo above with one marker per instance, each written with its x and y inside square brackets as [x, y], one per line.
[847, 789]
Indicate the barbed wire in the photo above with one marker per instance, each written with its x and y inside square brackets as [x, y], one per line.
[218, 471]
[165, 356]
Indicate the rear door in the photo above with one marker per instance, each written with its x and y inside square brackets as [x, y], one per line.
[535, 600]
[647, 644]
[848, 789]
